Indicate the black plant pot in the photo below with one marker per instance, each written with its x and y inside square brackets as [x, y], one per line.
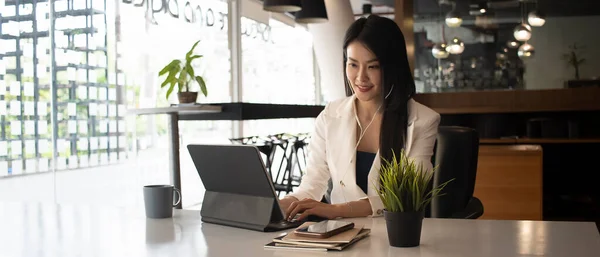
[404, 228]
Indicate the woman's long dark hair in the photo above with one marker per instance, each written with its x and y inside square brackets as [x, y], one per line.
[383, 37]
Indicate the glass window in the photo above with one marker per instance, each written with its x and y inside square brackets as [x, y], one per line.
[145, 45]
[25, 125]
[108, 55]
[107, 58]
[278, 68]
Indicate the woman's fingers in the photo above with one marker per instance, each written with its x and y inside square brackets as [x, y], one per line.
[288, 212]
[300, 206]
[305, 214]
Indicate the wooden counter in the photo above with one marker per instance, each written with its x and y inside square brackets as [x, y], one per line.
[509, 182]
[513, 101]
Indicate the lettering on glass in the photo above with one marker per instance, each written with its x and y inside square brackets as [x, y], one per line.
[195, 13]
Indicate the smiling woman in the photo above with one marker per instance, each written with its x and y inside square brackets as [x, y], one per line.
[376, 120]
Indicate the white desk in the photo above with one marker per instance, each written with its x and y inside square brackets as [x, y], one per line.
[47, 230]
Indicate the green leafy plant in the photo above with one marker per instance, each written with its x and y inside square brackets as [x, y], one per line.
[181, 73]
[404, 185]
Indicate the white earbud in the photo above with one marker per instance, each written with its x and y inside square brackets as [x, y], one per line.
[389, 93]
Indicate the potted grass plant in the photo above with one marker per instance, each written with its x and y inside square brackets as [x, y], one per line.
[181, 73]
[405, 190]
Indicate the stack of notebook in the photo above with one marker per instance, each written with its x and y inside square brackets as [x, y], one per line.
[337, 242]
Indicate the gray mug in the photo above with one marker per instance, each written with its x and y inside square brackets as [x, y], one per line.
[158, 200]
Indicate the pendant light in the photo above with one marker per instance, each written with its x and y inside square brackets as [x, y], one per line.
[526, 51]
[501, 56]
[512, 44]
[522, 32]
[439, 51]
[456, 46]
[536, 19]
[453, 20]
[282, 5]
[313, 11]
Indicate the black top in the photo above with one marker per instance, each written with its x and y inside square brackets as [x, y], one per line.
[364, 161]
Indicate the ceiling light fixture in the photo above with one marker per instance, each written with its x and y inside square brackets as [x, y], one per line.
[453, 20]
[439, 51]
[526, 51]
[512, 44]
[522, 32]
[282, 5]
[456, 46]
[313, 11]
[536, 19]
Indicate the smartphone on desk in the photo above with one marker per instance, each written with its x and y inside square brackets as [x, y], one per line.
[324, 229]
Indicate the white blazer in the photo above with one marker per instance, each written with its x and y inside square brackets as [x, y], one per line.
[332, 152]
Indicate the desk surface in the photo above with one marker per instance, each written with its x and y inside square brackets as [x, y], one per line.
[49, 230]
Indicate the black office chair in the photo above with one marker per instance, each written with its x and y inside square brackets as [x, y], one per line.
[456, 154]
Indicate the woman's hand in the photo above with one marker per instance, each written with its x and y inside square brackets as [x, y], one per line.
[312, 207]
[286, 202]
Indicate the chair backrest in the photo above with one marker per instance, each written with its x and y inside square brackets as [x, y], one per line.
[456, 154]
